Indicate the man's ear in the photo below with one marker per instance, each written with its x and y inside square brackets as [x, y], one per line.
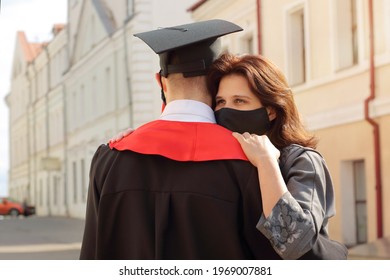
[271, 113]
[160, 83]
[157, 76]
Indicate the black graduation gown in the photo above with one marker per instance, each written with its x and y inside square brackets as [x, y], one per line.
[147, 201]
[173, 190]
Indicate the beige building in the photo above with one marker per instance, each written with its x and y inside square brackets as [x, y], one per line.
[340, 77]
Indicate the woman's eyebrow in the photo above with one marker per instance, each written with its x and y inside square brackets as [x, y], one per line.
[241, 96]
[218, 97]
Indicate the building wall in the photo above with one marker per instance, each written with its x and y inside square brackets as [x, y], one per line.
[331, 92]
[19, 149]
[91, 81]
[331, 100]
[82, 90]
[109, 88]
[242, 13]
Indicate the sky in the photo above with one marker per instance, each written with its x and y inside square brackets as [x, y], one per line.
[36, 19]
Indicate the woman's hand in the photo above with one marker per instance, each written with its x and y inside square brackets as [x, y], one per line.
[264, 155]
[257, 148]
[120, 135]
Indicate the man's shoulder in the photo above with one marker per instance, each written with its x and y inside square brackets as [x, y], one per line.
[183, 141]
[103, 152]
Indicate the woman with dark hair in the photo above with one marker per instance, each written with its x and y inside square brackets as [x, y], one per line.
[253, 99]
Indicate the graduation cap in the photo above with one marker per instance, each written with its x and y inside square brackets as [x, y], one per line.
[190, 48]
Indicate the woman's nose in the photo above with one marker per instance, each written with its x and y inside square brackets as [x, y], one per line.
[228, 104]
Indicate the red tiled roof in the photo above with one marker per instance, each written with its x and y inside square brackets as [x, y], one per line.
[30, 50]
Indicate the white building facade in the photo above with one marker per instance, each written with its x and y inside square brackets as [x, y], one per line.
[72, 94]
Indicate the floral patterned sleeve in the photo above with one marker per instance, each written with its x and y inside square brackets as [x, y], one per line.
[288, 228]
[300, 214]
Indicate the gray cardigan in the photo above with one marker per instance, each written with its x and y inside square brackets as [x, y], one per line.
[303, 211]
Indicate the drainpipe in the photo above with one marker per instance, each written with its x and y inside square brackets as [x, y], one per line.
[259, 34]
[374, 124]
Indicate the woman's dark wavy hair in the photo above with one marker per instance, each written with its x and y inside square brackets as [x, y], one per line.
[270, 85]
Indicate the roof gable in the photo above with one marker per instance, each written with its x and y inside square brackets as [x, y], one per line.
[29, 50]
[96, 23]
[24, 53]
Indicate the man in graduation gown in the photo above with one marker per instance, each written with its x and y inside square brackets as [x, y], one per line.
[179, 187]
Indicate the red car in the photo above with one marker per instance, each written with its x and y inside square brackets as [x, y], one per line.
[8, 206]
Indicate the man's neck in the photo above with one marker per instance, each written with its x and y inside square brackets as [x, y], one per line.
[188, 111]
[195, 97]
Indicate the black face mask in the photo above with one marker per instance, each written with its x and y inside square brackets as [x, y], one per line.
[253, 121]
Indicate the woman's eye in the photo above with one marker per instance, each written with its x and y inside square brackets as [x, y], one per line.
[220, 101]
[239, 101]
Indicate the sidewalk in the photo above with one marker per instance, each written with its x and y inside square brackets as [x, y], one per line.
[40, 238]
[377, 250]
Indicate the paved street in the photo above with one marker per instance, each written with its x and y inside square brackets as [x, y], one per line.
[59, 238]
[40, 238]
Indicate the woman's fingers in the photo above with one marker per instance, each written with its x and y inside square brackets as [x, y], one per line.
[120, 135]
[238, 136]
[256, 147]
[246, 135]
[243, 136]
[127, 132]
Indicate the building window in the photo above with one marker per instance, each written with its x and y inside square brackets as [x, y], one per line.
[354, 201]
[55, 190]
[65, 192]
[130, 8]
[386, 11]
[296, 49]
[347, 47]
[82, 104]
[75, 182]
[94, 98]
[83, 182]
[108, 99]
[40, 192]
[247, 45]
[93, 32]
[48, 193]
[360, 201]
[36, 194]
[74, 116]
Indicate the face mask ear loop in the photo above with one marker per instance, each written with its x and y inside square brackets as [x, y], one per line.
[162, 91]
